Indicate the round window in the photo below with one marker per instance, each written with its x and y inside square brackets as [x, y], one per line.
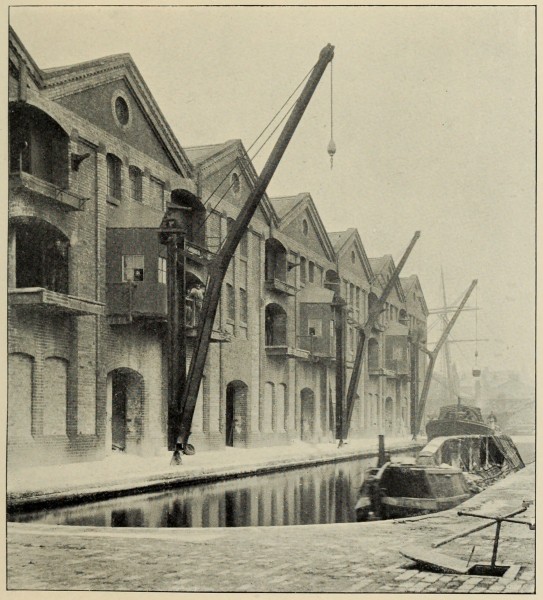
[305, 227]
[121, 110]
[235, 183]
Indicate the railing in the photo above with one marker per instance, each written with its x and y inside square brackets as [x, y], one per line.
[278, 285]
[47, 189]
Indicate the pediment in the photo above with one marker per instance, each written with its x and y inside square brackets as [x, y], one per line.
[303, 224]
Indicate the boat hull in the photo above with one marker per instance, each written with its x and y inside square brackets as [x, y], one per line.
[445, 428]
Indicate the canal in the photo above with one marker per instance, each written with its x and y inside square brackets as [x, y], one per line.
[318, 494]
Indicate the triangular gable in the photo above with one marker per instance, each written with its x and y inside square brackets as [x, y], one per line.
[88, 86]
[228, 157]
[412, 285]
[346, 241]
[383, 267]
[304, 205]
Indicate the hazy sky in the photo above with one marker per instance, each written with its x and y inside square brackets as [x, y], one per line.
[434, 122]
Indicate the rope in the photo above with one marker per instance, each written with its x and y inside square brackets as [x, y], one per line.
[262, 132]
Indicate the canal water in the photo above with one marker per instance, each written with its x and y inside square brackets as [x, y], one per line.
[319, 494]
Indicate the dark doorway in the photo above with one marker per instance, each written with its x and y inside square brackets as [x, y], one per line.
[236, 413]
[126, 410]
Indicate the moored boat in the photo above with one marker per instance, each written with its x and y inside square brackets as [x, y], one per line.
[447, 471]
[458, 419]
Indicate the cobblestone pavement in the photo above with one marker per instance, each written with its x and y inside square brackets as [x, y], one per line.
[311, 558]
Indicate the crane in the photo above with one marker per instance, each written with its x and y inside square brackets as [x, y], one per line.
[363, 335]
[219, 266]
[433, 357]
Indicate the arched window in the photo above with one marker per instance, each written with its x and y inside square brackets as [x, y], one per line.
[20, 395]
[276, 260]
[114, 164]
[55, 387]
[373, 354]
[268, 408]
[276, 325]
[41, 255]
[135, 176]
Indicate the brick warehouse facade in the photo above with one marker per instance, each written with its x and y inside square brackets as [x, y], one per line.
[94, 172]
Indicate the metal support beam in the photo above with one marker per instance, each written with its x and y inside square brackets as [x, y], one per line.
[433, 356]
[365, 333]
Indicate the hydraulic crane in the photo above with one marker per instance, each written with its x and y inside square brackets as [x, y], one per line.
[433, 357]
[219, 266]
[364, 334]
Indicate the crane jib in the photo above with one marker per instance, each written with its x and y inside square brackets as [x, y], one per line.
[220, 264]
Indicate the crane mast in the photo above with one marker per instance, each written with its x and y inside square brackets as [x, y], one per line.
[219, 266]
[433, 357]
[364, 334]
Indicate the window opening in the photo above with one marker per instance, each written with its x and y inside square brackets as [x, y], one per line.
[133, 267]
[114, 176]
[162, 270]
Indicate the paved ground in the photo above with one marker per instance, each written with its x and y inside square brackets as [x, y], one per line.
[310, 558]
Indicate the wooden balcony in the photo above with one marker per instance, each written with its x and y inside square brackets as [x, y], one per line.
[43, 299]
[41, 189]
[281, 287]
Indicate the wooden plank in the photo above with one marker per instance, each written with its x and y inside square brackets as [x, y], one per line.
[435, 560]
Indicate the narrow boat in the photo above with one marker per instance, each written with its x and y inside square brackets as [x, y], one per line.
[458, 419]
[447, 471]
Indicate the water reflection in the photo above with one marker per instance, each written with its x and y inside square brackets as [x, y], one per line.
[323, 494]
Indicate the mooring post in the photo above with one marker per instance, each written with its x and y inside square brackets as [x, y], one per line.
[381, 456]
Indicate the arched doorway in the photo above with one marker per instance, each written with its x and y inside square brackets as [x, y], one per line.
[236, 413]
[127, 409]
[389, 406]
[307, 414]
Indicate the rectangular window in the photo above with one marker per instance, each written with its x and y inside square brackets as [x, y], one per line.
[113, 176]
[230, 302]
[133, 267]
[243, 305]
[351, 296]
[244, 245]
[303, 269]
[162, 270]
[157, 194]
[135, 184]
[311, 271]
[314, 327]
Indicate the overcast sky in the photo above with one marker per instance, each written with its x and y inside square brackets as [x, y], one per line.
[434, 122]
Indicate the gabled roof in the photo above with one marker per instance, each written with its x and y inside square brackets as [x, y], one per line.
[284, 204]
[343, 239]
[381, 267]
[215, 156]
[288, 208]
[58, 82]
[408, 283]
[201, 154]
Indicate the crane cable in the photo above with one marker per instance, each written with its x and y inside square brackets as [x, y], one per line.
[262, 132]
[476, 328]
[331, 143]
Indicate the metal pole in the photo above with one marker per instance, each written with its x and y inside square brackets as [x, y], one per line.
[433, 356]
[365, 335]
[173, 336]
[340, 308]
